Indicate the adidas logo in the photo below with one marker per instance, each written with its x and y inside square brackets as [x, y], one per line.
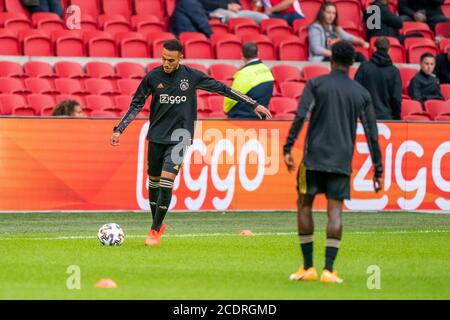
[160, 86]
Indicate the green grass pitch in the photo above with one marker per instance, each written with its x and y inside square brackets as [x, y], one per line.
[202, 256]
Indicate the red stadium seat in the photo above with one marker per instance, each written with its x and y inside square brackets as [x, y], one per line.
[417, 27]
[96, 69]
[284, 73]
[197, 49]
[10, 69]
[122, 7]
[9, 44]
[88, 23]
[446, 9]
[299, 24]
[273, 22]
[279, 30]
[292, 90]
[103, 114]
[132, 44]
[283, 105]
[246, 29]
[349, 10]
[444, 44]
[130, 70]
[152, 65]
[217, 115]
[437, 108]
[24, 111]
[10, 101]
[443, 29]
[68, 43]
[310, 9]
[154, 7]
[233, 22]
[90, 7]
[290, 48]
[198, 66]
[47, 21]
[185, 36]
[266, 49]
[100, 44]
[14, 22]
[407, 74]
[40, 85]
[312, 71]
[222, 71]
[36, 43]
[62, 97]
[215, 103]
[98, 102]
[114, 23]
[445, 89]
[128, 86]
[69, 86]
[122, 102]
[442, 118]
[40, 101]
[12, 85]
[147, 24]
[38, 69]
[100, 86]
[418, 46]
[412, 107]
[228, 49]
[218, 27]
[416, 117]
[156, 41]
[67, 69]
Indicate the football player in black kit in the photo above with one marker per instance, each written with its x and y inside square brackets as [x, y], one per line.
[173, 112]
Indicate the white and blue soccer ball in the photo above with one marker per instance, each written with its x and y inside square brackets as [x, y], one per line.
[111, 234]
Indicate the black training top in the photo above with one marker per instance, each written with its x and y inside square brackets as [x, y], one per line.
[336, 103]
[174, 102]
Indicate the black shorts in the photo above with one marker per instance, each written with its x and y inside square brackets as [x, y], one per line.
[333, 185]
[164, 157]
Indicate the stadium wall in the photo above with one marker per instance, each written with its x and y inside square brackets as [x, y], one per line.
[68, 164]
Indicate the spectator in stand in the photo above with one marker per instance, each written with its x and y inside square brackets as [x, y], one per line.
[382, 79]
[189, 16]
[227, 9]
[428, 11]
[254, 79]
[70, 108]
[44, 6]
[425, 85]
[443, 67]
[288, 10]
[390, 23]
[325, 31]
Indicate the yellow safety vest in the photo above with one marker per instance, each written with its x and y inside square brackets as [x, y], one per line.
[246, 79]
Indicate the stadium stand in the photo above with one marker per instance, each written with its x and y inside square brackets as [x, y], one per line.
[116, 35]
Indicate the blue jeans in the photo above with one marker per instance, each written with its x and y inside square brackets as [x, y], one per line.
[54, 6]
[289, 17]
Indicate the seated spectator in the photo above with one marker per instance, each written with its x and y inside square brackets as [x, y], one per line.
[227, 9]
[189, 16]
[325, 31]
[44, 6]
[390, 22]
[70, 108]
[428, 11]
[382, 79]
[443, 67]
[288, 10]
[425, 86]
[254, 79]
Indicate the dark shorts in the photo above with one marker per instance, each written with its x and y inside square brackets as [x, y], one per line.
[164, 157]
[333, 185]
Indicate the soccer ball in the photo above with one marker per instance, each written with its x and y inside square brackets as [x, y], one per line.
[111, 234]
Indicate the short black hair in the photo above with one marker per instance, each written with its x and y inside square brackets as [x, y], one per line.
[250, 50]
[426, 55]
[343, 53]
[173, 45]
[382, 44]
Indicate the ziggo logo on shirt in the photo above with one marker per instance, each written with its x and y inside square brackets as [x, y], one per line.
[165, 98]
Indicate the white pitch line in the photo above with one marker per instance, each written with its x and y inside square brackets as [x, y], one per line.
[195, 235]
